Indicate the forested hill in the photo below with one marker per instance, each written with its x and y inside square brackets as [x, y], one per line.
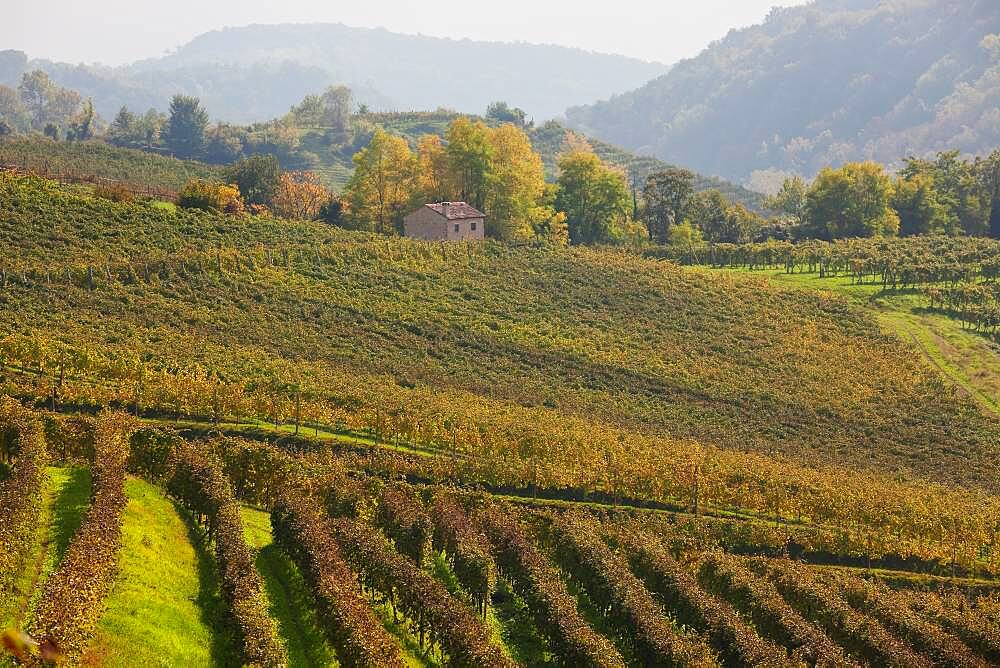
[832, 81]
[257, 72]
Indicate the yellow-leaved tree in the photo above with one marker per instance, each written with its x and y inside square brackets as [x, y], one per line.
[381, 189]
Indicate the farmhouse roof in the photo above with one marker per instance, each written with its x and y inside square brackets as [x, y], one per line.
[456, 210]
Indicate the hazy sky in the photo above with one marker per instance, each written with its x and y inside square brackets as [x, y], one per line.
[119, 31]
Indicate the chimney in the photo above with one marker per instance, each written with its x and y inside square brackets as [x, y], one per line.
[444, 208]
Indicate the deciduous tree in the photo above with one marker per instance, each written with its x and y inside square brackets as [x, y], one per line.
[381, 188]
[666, 195]
[852, 201]
[593, 196]
[257, 177]
[299, 195]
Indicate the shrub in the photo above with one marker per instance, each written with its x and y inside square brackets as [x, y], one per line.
[116, 192]
[210, 196]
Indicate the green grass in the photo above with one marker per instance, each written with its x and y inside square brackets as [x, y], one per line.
[67, 498]
[290, 602]
[165, 608]
[292, 607]
[511, 618]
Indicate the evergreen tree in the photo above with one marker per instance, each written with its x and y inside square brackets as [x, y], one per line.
[184, 133]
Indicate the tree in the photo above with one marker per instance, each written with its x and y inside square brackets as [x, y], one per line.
[852, 201]
[548, 224]
[299, 195]
[124, 129]
[151, 127]
[337, 104]
[81, 128]
[224, 144]
[470, 153]
[685, 234]
[916, 203]
[707, 212]
[434, 178]
[13, 111]
[959, 189]
[35, 89]
[790, 200]
[502, 112]
[514, 183]
[666, 195]
[379, 192]
[45, 102]
[184, 133]
[257, 177]
[988, 169]
[593, 196]
[332, 212]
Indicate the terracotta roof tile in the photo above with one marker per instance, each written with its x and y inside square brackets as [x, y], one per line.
[456, 210]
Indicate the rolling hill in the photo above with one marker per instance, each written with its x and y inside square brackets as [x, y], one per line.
[828, 82]
[257, 72]
[254, 441]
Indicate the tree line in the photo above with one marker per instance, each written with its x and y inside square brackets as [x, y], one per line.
[944, 195]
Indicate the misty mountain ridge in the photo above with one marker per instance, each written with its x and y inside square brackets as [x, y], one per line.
[257, 72]
[821, 84]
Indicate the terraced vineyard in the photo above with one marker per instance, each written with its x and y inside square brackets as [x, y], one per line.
[390, 573]
[366, 451]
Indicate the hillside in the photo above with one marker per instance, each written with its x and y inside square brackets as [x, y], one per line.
[831, 81]
[351, 449]
[257, 72]
[95, 159]
[579, 335]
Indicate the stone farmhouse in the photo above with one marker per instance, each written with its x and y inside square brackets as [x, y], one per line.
[446, 221]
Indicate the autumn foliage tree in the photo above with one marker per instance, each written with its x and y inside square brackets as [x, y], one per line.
[381, 189]
[299, 195]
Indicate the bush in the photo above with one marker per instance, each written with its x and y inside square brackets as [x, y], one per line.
[116, 192]
[209, 196]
